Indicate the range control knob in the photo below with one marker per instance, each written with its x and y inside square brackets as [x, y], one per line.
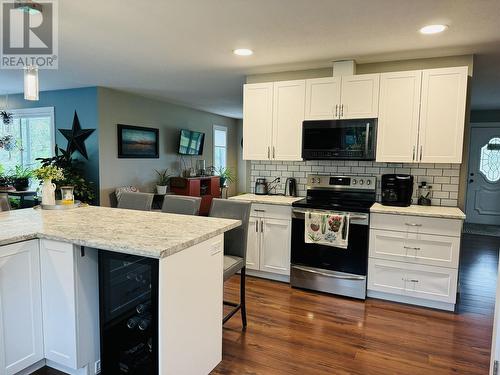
[354, 181]
[368, 182]
[361, 182]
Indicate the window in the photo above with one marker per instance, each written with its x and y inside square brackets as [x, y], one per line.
[220, 147]
[489, 164]
[33, 131]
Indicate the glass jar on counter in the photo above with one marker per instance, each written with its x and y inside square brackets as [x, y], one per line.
[424, 194]
[67, 195]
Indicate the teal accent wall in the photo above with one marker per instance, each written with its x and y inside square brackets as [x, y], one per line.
[65, 103]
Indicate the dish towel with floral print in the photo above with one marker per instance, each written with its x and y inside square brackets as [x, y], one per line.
[327, 228]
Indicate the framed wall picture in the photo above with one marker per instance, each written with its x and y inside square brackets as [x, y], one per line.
[138, 142]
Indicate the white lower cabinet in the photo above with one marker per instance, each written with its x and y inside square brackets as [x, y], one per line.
[21, 335]
[414, 259]
[426, 282]
[49, 302]
[275, 249]
[70, 302]
[268, 246]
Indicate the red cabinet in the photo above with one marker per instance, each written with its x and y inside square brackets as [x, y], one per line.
[205, 187]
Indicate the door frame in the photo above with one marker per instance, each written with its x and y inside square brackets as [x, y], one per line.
[474, 125]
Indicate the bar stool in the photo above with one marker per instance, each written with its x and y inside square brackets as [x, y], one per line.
[136, 201]
[235, 248]
[181, 204]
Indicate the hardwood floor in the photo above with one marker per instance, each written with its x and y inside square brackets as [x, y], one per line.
[292, 331]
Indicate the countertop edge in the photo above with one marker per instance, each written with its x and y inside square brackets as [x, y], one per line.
[103, 246]
[407, 212]
[255, 199]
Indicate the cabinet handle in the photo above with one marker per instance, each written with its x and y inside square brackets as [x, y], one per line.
[409, 280]
[274, 153]
[257, 226]
[411, 248]
[268, 152]
[342, 110]
[413, 225]
[336, 110]
[262, 226]
[413, 158]
[257, 210]
[421, 152]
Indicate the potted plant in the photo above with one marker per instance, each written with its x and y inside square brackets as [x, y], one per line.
[46, 175]
[162, 181]
[226, 176]
[21, 178]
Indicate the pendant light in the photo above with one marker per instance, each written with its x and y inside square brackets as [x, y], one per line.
[31, 82]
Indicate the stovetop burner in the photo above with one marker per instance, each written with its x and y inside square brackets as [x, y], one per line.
[339, 193]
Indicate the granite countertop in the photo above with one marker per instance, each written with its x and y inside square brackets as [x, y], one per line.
[414, 210]
[150, 234]
[267, 199]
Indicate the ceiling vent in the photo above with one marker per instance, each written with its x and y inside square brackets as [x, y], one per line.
[344, 68]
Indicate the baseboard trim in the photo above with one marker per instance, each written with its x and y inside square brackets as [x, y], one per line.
[268, 275]
[412, 300]
[32, 368]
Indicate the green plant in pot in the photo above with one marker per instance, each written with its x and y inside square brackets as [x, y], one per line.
[162, 181]
[226, 176]
[73, 175]
[20, 178]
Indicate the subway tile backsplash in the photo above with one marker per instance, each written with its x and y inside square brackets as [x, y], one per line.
[444, 178]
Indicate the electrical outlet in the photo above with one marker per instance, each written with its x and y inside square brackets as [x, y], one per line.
[97, 369]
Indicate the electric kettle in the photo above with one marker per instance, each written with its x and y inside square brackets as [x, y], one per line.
[261, 187]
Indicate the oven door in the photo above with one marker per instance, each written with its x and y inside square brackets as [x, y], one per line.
[329, 269]
[339, 139]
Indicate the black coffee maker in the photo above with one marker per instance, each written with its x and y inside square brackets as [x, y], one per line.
[397, 189]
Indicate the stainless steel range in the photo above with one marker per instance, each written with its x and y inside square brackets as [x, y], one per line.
[326, 268]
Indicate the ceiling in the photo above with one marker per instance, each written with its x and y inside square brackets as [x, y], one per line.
[181, 50]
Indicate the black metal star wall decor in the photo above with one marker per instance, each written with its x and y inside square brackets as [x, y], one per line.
[76, 137]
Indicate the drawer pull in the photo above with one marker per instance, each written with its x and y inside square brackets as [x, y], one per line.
[413, 225]
[411, 248]
[409, 280]
[256, 210]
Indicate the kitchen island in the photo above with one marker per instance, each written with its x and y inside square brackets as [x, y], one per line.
[49, 289]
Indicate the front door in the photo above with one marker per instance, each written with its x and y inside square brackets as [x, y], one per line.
[483, 194]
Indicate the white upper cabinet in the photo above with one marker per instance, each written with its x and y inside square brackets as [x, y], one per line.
[21, 333]
[442, 117]
[360, 95]
[272, 120]
[257, 121]
[422, 116]
[322, 98]
[346, 97]
[398, 116]
[288, 115]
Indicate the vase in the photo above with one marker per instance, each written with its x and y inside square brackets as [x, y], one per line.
[161, 189]
[48, 193]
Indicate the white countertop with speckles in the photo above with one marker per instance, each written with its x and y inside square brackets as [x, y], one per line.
[414, 210]
[150, 234]
[267, 199]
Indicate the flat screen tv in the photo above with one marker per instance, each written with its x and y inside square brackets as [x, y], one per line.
[191, 142]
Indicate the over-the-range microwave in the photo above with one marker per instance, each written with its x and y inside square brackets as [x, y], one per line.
[339, 139]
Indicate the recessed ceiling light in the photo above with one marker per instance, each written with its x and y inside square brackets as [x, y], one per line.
[243, 52]
[433, 29]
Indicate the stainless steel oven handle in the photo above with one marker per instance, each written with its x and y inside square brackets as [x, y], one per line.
[352, 218]
[335, 276]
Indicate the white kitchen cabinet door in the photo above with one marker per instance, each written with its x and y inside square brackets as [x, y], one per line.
[275, 249]
[322, 98]
[253, 243]
[21, 334]
[432, 283]
[257, 121]
[360, 96]
[387, 277]
[442, 251]
[442, 115]
[70, 304]
[288, 115]
[398, 118]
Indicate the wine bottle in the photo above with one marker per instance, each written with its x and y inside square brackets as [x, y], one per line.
[133, 322]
